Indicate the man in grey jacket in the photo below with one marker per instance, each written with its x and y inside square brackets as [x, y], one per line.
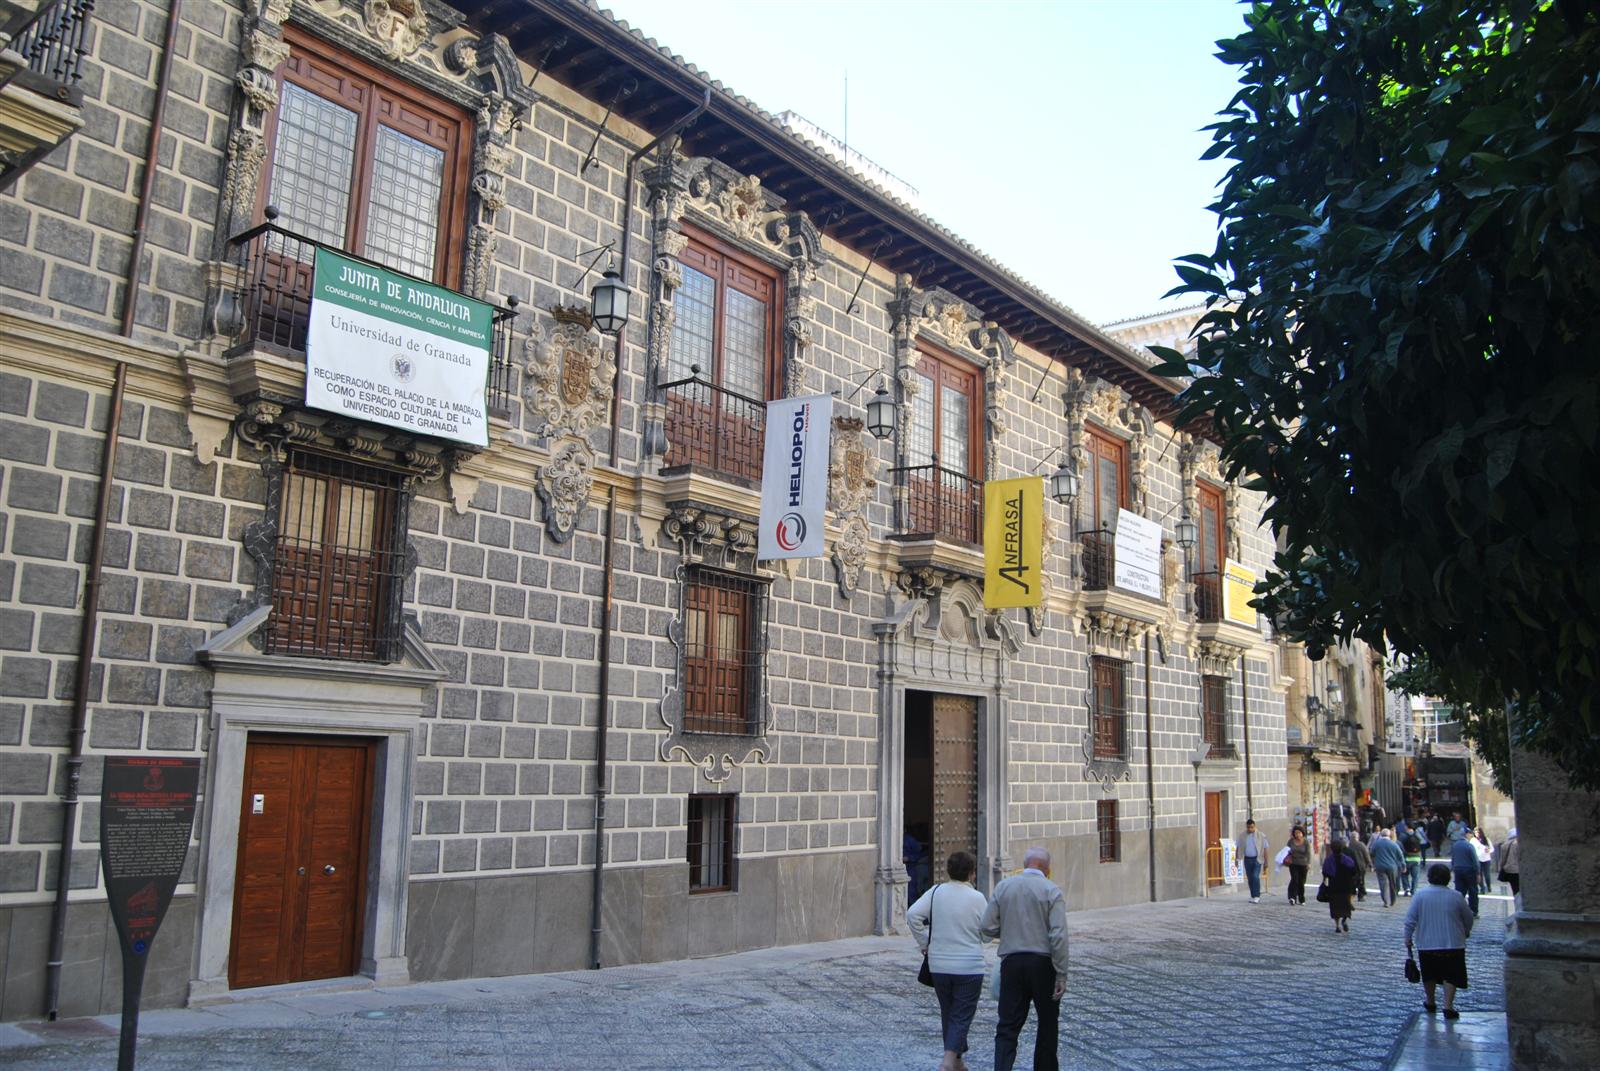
[1029, 915]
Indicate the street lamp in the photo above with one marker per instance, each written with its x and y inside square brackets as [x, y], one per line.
[1186, 532]
[1064, 483]
[608, 303]
[880, 413]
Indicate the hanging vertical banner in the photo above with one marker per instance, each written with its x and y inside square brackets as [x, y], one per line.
[794, 477]
[395, 350]
[1013, 542]
[1238, 588]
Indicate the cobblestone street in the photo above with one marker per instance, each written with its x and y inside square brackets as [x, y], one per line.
[1184, 985]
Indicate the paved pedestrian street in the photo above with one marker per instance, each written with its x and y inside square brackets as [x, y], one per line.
[1216, 983]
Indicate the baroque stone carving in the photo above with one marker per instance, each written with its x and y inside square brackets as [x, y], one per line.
[852, 475]
[705, 536]
[1107, 772]
[400, 27]
[562, 485]
[1114, 636]
[569, 377]
[1218, 659]
[1200, 459]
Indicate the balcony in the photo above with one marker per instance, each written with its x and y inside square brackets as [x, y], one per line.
[940, 503]
[1207, 596]
[713, 429]
[1099, 558]
[264, 313]
[41, 59]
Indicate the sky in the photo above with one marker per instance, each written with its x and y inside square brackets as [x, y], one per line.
[1061, 137]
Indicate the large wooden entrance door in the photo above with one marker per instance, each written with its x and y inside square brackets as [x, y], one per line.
[1213, 839]
[955, 777]
[300, 881]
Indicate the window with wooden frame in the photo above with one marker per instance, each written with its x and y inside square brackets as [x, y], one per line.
[724, 619]
[364, 162]
[943, 465]
[722, 361]
[711, 828]
[1105, 824]
[1214, 715]
[337, 566]
[1105, 492]
[1209, 553]
[1109, 716]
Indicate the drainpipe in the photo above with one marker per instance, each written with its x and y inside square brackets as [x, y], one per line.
[130, 300]
[80, 698]
[1150, 765]
[603, 719]
[1244, 703]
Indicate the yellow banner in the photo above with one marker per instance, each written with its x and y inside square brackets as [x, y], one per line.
[1013, 542]
[1238, 588]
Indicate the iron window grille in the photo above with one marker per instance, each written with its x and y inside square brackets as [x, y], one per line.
[1099, 558]
[940, 502]
[711, 828]
[712, 427]
[1108, 686]
[339, 562]
[1105, 822]
[723, 658]
[1207, 595]
[1214, 716]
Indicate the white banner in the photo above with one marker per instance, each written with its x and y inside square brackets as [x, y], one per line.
[1138, 555]
[794, 477]
[1400, 729]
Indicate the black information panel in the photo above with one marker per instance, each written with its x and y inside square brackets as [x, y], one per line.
[146, 817]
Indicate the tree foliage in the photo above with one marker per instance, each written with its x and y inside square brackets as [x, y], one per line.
[1402, 340]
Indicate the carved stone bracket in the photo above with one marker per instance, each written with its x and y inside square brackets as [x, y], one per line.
[705, 536]
[1112, 635]
[398, 27]
[852, 475]
[563, 484]
[1217, 659]
[1106, 771]
[262, 50]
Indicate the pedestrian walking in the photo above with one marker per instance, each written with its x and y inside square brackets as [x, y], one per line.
[1029, 915]
[1298, 862]
[1511, 861]
[1358, 852]
[1438, 922]
[1464, 866]
[1387, 861]
[945, 923]
[1457, 829]
[1485, 850]
[1411, 844]
[1339, 878]
[1255, 851]
[1436, 830]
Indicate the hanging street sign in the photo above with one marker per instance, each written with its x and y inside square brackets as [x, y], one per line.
[394, 350]
[794, 477]
[146, 817]
[1013, 542]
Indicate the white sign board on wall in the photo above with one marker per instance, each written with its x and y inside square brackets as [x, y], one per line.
[1138, 555]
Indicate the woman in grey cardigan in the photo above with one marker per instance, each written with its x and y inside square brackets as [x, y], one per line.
[945, 923]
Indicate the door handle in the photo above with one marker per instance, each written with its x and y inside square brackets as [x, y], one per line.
[329, 869]
[300, 870]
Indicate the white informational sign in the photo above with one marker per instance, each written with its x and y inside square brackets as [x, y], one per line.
[1232, 865]
[395, 350]
[794, 477]
[1138, 555]
[1399, 736]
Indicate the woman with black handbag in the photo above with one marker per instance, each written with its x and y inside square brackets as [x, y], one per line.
[944, 922]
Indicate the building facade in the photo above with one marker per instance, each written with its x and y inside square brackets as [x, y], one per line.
[534, 705]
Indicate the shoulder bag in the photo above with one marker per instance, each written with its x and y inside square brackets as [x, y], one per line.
[925, 976]
[1323, 895]
[1413, 972]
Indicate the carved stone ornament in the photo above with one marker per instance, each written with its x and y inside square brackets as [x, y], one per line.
[563, 484]
[853, 468]
[1113, 636]
[399, 27]
[1105, 771]
[568, 378]
[1200, 459]
[1218, 659]
[705, 536]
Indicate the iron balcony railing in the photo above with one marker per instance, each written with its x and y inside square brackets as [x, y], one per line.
[1099, 558]
[940, 502]
[714, 428]
[1207, 595]
[269, 306]
[54, 45]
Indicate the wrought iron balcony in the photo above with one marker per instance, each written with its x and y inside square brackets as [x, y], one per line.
[1207, 595]
[711, 427]
[268, 307]
[1099, 558]
[42, 46]
[940, 503]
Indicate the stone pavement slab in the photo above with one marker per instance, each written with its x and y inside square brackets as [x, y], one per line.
[1185, 985]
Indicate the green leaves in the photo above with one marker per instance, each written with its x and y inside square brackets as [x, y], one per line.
[1402, 314]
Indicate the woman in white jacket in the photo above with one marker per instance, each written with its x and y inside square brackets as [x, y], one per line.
[944, 920]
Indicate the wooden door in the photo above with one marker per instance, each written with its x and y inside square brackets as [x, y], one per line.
[300, 881]
[1213, 838]
[955, 778]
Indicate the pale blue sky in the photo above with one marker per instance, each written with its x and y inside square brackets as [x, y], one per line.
[1062, 138]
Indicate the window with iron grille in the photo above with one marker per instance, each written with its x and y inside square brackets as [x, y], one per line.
[1105, 823]
[1105, 492]
[1108, 685]
[711, 820]
[337, 566]
[723, 622]
[942, 469]
[721, 362]
[1214, 715]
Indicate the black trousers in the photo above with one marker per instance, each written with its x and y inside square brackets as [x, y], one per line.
[1027, 978]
